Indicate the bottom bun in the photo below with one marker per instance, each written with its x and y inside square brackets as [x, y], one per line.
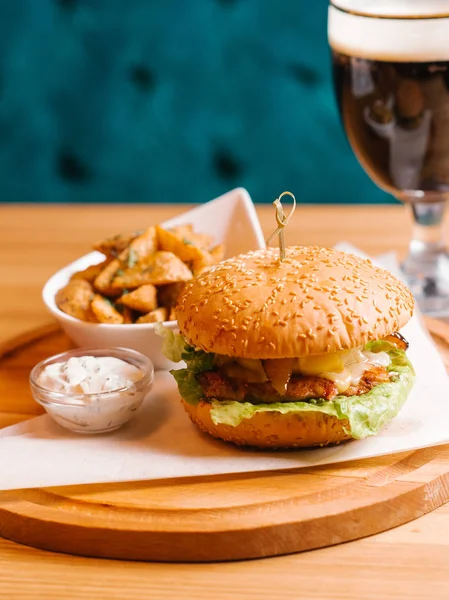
[273, 429]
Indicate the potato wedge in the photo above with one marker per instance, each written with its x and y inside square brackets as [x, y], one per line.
[142, 276]
[103, 281]
[155, 316]
[142, 299]
[203, 262]
[143, 245]
[127, 315]
[218, 252]
[158, 269]
[188, 236]
[75, 300]
[181, 247]
[167, 295]
[92, 272]
[182, 229]
[105, 311]
[113, 246]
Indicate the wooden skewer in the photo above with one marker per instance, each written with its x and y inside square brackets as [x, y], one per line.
[281, 221]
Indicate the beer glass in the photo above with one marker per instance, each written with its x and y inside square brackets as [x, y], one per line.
[391, 79]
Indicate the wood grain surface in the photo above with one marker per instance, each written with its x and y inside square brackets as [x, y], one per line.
[410, 561]
[204, 519]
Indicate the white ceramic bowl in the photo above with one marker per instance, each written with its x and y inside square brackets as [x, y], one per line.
[231, 219]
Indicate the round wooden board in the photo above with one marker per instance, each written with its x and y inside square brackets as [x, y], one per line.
[225, 517]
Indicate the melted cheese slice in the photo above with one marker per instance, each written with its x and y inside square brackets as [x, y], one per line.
[343, 368]
[248, 369]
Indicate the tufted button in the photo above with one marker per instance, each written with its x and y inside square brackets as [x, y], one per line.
[305, 74]
[226, 165]
[68, 4]
[71, 168]
[142, 77]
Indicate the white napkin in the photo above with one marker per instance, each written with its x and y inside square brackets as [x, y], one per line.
[161, 442]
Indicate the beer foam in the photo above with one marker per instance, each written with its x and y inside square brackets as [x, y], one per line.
[395, 8]
[400, 39]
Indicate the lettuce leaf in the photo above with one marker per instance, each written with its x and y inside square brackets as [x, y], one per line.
[188, 386]
[173, 344]
[197, 361]
[176, 349]
[366, 414]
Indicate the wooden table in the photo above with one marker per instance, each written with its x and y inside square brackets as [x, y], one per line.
[410, 562]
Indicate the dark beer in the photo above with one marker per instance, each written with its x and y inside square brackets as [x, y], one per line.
[396, 117]
[391, 80]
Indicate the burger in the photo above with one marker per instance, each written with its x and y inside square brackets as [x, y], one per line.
[291, 353]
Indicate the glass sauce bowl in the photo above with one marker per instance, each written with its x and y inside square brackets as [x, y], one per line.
[98, 412]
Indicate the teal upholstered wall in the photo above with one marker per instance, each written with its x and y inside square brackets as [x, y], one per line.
[170, 100]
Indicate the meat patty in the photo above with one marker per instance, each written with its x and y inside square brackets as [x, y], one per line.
[369, 379]
[217, 385]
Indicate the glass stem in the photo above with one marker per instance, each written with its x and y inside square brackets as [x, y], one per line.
[428, 239]
[426, 266]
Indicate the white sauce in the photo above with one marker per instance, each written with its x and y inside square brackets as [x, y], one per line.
[355, 363]
[86, 378]
[89, 375]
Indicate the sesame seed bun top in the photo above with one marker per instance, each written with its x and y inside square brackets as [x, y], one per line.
[316, 301]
